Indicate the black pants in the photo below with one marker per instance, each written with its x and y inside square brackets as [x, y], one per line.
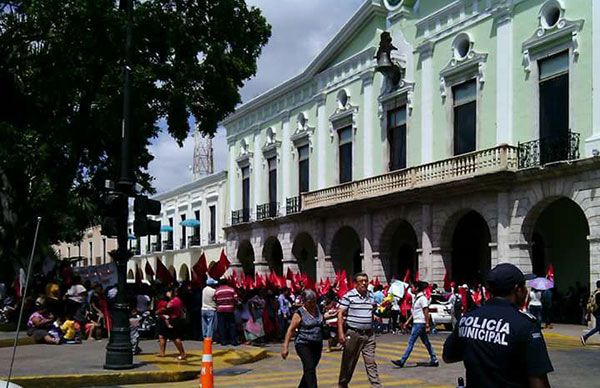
[310, 354]
[226, 326]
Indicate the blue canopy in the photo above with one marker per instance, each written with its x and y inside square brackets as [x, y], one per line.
[166, 228]
[190, 223]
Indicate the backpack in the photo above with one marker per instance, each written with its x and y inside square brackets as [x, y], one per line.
[592, 306]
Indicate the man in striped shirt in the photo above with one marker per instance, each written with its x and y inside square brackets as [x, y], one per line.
[356, 312]
[225, 298]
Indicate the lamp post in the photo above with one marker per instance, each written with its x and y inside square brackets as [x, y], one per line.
[119, 354]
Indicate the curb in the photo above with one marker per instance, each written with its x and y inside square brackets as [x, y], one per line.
[8, 342]
[232, 357]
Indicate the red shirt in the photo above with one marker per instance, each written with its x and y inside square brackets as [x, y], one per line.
[175, 308]
[225, 297]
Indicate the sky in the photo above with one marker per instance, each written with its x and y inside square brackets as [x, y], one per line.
[300, 30]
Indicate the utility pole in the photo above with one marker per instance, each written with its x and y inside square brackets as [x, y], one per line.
[119, 354]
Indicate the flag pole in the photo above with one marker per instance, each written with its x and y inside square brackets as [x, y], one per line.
[12, 360]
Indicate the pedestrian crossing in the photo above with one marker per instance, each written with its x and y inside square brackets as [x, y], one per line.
[329, 368]
[274, 372]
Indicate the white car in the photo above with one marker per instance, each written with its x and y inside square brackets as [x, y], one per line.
[441, 312]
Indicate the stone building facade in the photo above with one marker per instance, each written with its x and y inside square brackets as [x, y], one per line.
[472, 141]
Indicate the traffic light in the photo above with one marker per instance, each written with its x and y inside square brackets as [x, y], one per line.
[144, 206]
[114, 210]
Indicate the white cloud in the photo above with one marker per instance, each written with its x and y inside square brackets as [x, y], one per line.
[300, 29]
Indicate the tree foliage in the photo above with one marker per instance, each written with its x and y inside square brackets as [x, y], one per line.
[61, 81]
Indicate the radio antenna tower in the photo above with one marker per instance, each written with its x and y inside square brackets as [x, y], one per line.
[203, 155]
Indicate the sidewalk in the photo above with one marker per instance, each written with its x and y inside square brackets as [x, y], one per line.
[571, 331]
[81, 365]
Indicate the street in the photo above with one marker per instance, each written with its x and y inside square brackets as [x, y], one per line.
[574, 367]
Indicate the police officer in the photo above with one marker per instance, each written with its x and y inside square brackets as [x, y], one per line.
[501, 346]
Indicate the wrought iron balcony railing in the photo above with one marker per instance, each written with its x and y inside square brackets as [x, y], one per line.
[193, 241]
[293, 205]
[548, 149]
[267, 210]
[167, 245]
[239, 216]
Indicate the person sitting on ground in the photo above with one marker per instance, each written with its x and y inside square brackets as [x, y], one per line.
[69, 330]
[40, 323]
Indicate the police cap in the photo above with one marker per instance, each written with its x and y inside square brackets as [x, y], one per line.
[503, 277]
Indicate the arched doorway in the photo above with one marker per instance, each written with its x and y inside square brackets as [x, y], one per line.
[471, 256]
[398, 250]
[559, 237]
[184, 273]
[245, 256]
[304, 250]
[273, 254]
[173, 272]
[346, 251]
[130, 275]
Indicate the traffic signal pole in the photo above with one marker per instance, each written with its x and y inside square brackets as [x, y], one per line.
[119, 353]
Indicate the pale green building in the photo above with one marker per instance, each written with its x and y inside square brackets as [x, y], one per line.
[472, 143]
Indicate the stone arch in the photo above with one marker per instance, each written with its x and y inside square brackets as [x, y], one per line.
[398, 249]
[173, 271]
[273, 255]
[346, 251]
[465, 244]
[130, 274]
[556, 230]
[304, 251]
[184, 273]
[245, 256]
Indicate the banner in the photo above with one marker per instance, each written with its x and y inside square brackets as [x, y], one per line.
[105, 274]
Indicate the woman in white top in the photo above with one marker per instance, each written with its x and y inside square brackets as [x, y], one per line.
[535, 304]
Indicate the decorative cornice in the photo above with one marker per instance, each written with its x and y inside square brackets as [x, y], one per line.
[350, 112]
[473, 63]
[269, 150]
[405, 92]
[564, 31]
[244, 159]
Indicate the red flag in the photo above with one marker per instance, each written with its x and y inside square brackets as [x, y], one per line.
[289, 275]
[407, 276]
[406, 304]
[149, 270]
[217, 270]
[550, 272]
[447, 284]
[200, 268]
[163, 273]
[343, 287]
[477, 297]
[259, 281]
[377, 282]
[138, 275]
[428, 290]
[463, 292]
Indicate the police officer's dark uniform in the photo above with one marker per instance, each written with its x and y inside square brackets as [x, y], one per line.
[499, 345]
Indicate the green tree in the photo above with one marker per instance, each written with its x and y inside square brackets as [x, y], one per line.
[61, 101]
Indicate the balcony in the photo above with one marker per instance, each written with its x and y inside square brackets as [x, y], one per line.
[267, 210]
[155, 247]
[193, 241]
[548, 149]
[492, 160]
[167, 245]
[239, 216]
[293, 205]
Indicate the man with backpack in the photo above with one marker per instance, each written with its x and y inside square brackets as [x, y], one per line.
[593, 309]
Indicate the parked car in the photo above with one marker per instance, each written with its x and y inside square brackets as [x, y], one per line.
[441, 312]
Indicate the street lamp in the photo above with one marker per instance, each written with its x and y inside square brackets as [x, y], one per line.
[119, 354]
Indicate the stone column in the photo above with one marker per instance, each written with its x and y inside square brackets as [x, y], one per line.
[504, 78]
[367, 253]
[519, 256]
[322, 129]
[286, 156]
[367, 86]
[501, 251]
[594, 241]
[232, 178]
[593, 142]
[427, 104]
[257, 173]
[425, 252]
[324, 265]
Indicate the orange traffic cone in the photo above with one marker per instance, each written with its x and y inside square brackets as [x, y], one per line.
[206, 376]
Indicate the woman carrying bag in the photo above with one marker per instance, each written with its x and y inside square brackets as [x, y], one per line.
[309, 339]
